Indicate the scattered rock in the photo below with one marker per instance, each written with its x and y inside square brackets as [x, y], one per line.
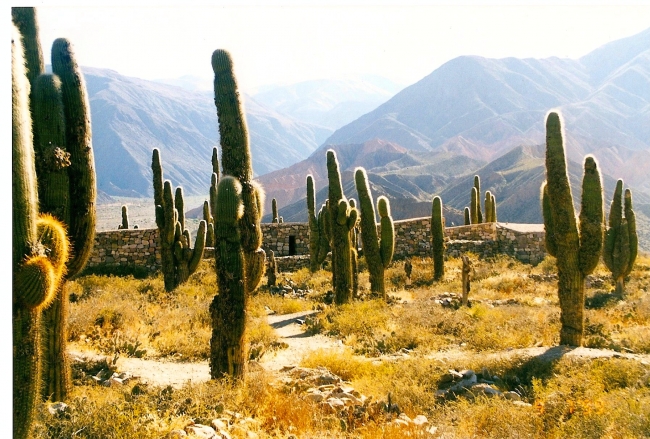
[58, 408]
[176, 434]
[202, 431]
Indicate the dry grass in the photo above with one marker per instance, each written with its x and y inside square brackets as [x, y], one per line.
[568, 398]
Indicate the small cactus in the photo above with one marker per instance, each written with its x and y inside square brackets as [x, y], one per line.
[274, 210]
[125, 219]
[467, 217]
[488, 207]
[272, 271]
[474, 207]
[621, 240]
[465, 276]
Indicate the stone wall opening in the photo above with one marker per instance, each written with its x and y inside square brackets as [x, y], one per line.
[292, 245]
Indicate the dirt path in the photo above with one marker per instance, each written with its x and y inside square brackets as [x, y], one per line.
[291, 331]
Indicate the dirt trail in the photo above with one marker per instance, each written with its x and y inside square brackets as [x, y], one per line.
[292, 332]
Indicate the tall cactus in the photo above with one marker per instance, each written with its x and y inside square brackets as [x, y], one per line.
[342, 219]
[577, 249]
[437, 239]
[488, 207]
[474, 206]
[493, 207]
[179, 259]
[314, 236]
[228, 310]
[39, 254]
[477, 185]
[236, 161]
[274, 210]
[67, 190]
[378, 250]
[125, 218]
[621, 240]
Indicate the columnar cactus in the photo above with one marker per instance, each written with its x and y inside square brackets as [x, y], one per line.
[179, 259]
[125, 218]
[493, 208]
[354, 238]
[272, 271]
[314, 235]
[209, 232]
[474, 206]
[621, 240]
[228, 310]
[577, 249]
[342, 219]
[465, 277]
[324, 233]
[236, 161]
[467, 216]
[67, 190]
[39, 254]
[274, 210]
[378, 250]
[438, 238]
[488, 207]
[477, 185]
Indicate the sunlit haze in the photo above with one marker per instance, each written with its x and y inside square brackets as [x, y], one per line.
[291, 43]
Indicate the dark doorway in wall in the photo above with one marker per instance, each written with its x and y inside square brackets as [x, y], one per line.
[292, 245]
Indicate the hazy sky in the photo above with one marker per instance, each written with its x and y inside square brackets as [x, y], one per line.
[292, 42]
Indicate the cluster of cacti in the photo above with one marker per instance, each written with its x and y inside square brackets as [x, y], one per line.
[39, 254]
[576, 248]
[476, 201]
[621, 240]
[342, 219]
[437, 238]
[319, 245]
[178, 259]
[228, 347]
[63, 154]
[473, 213]
[272, 271]
[378, 250]
[236, 162]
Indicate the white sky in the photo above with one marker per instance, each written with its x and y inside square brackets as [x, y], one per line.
[300, 41]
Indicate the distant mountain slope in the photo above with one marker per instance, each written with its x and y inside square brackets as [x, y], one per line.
[484, 107]
[131, 116]
[328, 103]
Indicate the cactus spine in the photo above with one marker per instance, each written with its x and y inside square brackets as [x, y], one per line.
[39, 254]
[621, 240]
[274, 210]
[228, 345]
[577, 249]
[342, 219]
[378, 250]
[438, 238]
[236, 161]
[125, 218]
[179, 259]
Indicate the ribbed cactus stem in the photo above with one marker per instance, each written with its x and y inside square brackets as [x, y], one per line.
[467, 216]
[493, 206]
[228, 310]
[438, 238]
[573, 246]
[215, 164]
[474, 206]
[323, 234]
[342, 220]
[125, 218]
[488, 207]
[236, 161]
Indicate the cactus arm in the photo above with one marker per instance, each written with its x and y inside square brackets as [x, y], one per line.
[314, 235]
[199, 247]
[215, 164]
[591, 217]
[26, 20]
[179, 204]
[157, 171]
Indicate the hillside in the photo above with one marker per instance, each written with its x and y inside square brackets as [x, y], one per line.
[483, 107]
[132, 116]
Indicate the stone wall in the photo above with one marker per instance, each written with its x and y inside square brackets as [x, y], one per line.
[132, 247]
[412, 238]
